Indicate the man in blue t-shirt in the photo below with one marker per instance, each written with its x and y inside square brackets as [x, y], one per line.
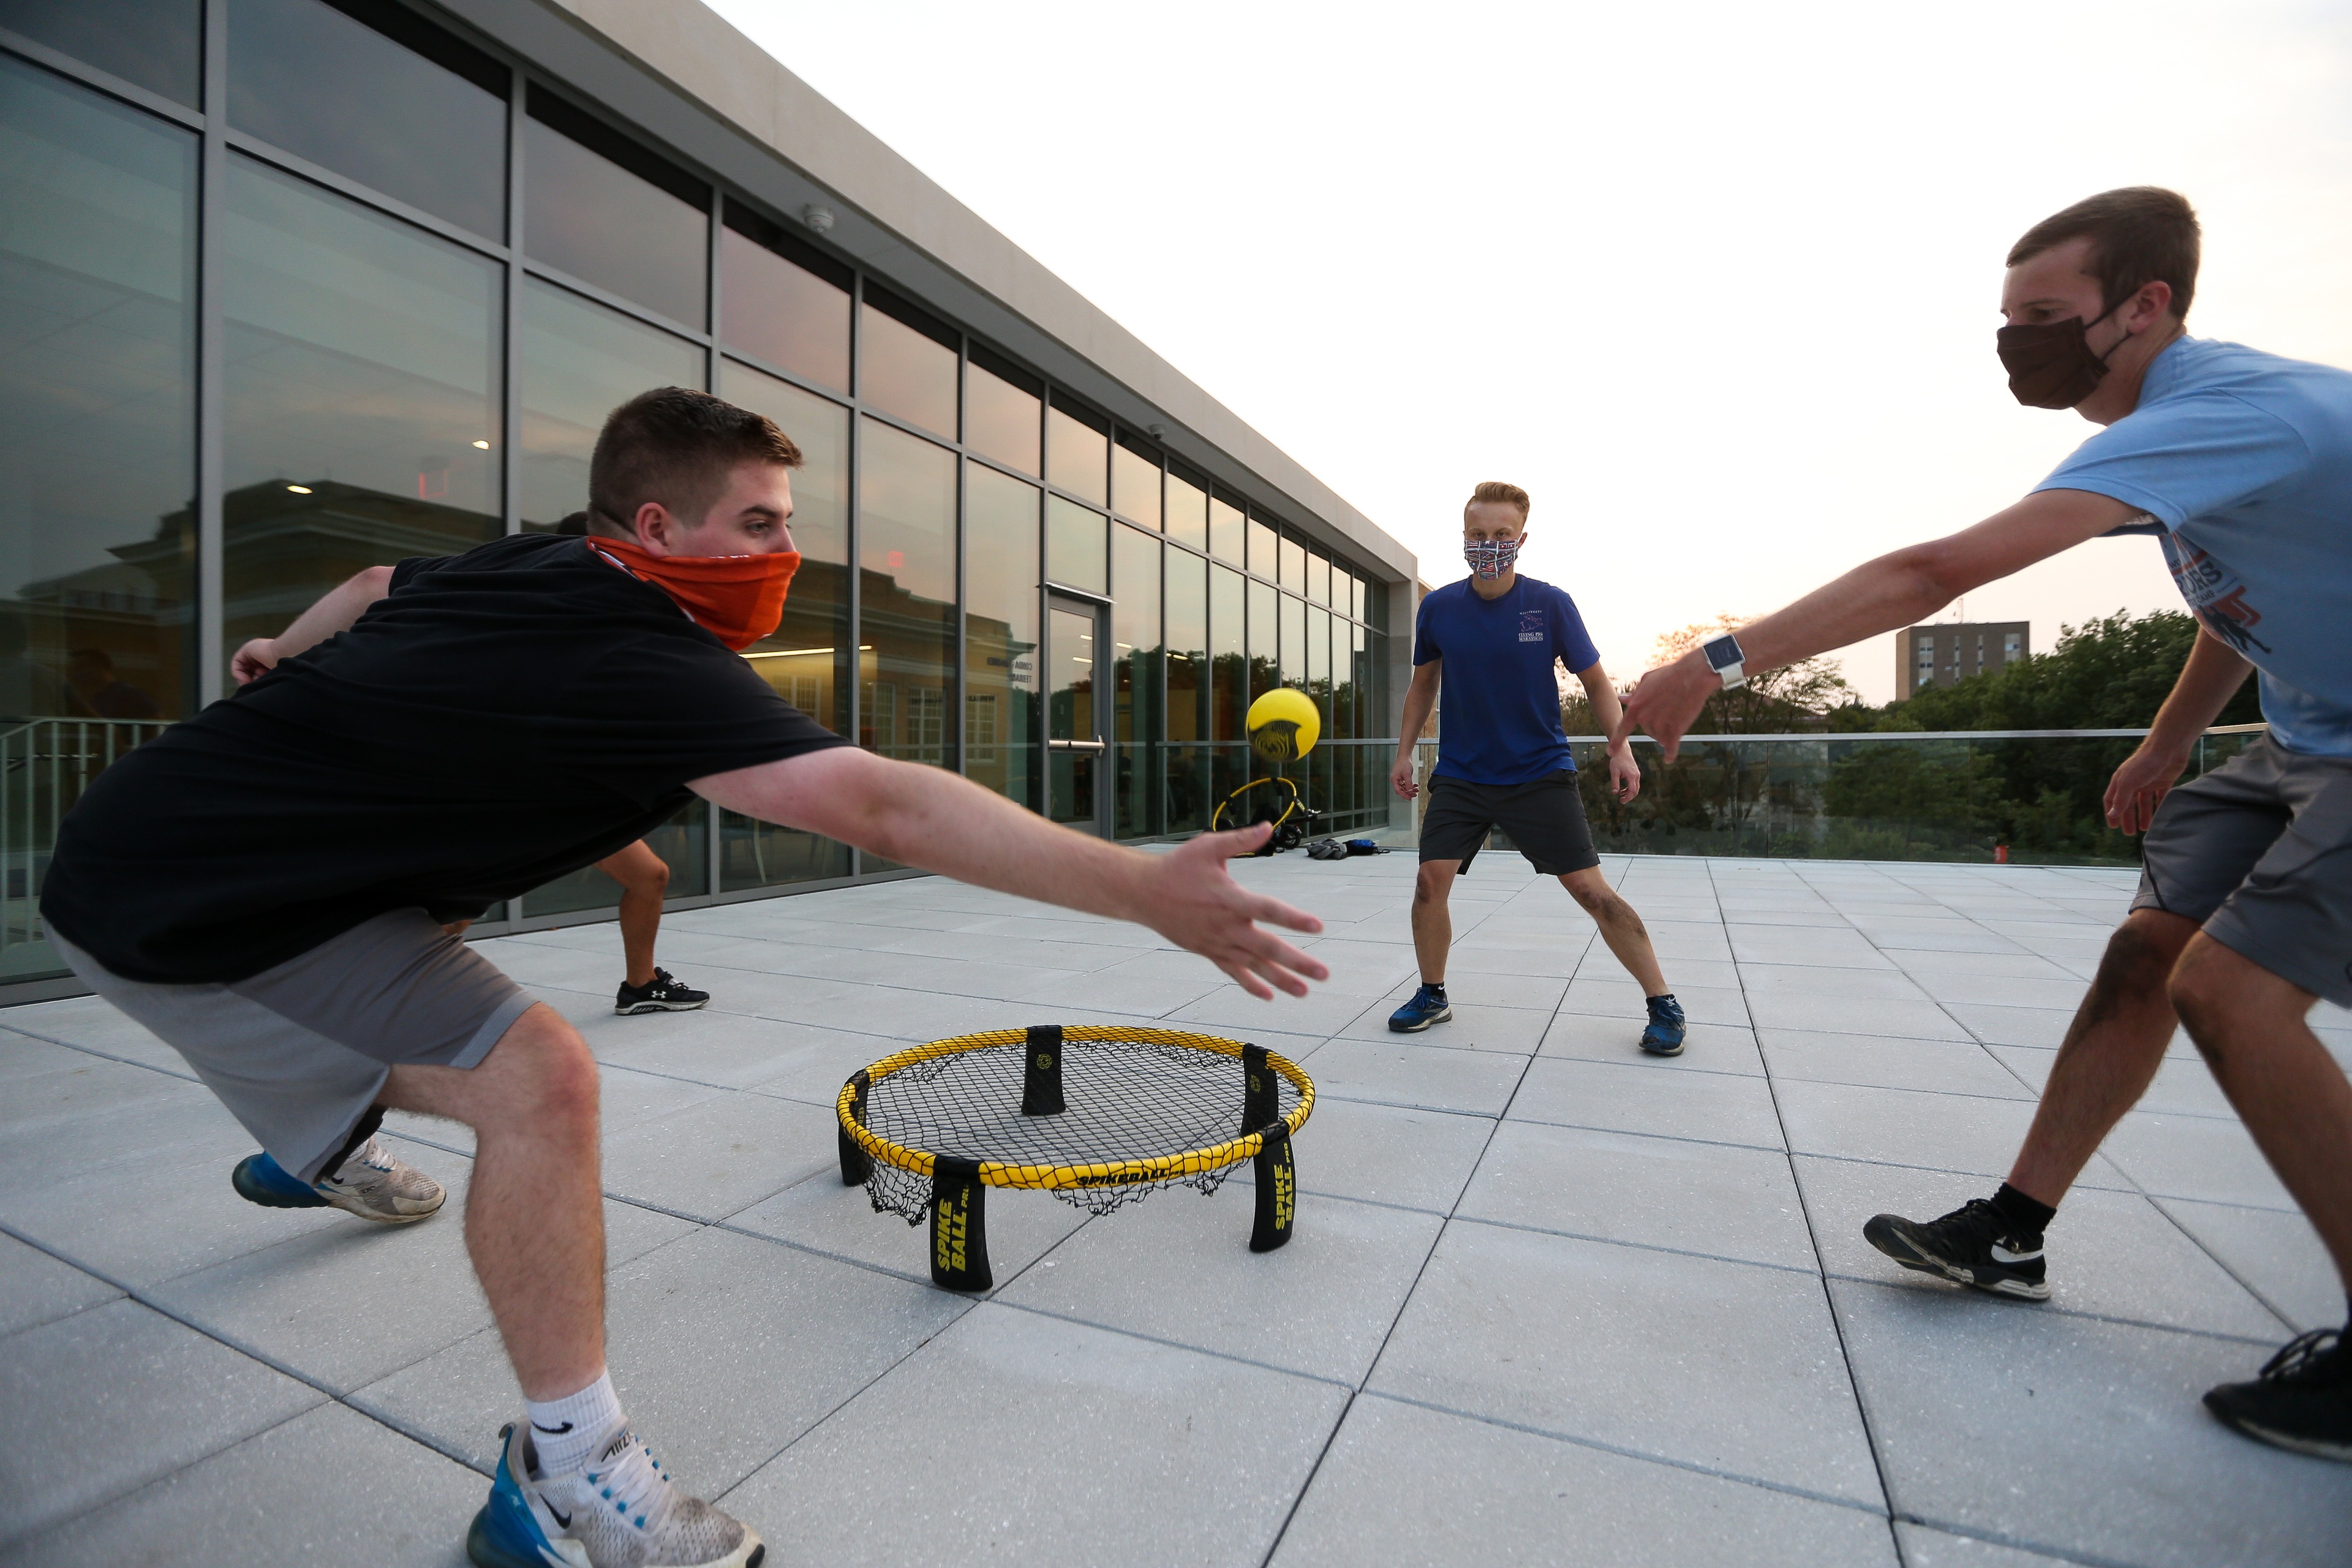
[1502, 759]
[2241, 462]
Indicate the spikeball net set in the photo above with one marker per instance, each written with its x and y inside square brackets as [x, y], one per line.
[1097, 1115]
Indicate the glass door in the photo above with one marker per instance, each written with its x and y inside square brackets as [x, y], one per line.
[1078, 643]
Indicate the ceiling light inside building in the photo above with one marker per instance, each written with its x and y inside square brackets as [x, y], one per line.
[300, 489]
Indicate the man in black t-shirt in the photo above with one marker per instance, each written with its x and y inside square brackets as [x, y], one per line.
[265, 887]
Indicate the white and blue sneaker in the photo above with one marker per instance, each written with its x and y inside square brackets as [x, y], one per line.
[1663, 1036]
[371, 1183]
[621, 1511]
[1428, 1006]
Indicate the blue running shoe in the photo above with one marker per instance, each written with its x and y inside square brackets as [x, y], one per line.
[371, 1184]
[1663, 1038]
[621, 1511]
[1428, 1006]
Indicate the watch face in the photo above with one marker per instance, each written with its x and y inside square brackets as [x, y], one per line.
[1722, 653]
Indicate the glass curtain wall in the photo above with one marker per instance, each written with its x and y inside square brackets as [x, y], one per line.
[437, 273]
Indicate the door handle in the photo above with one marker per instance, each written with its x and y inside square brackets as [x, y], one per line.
[1078, 746]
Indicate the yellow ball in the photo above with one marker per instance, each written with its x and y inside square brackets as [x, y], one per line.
[1283, 724]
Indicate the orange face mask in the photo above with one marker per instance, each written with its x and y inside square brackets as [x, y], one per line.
[738, 599]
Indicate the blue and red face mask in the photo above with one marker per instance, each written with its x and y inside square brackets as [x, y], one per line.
[1490, 558]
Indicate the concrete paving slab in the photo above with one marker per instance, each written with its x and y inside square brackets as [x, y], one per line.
[1474, 1026]
[1998, 1025]
[1525, 988]
[36, 1289]
[2079, 1438]
[1611, 992]
[1942, 1066]
[1828, 1014]
[1818, 980]
[2194, 1157]
[712, 1158]
[724, 1050]
[1653, 1192]
[1905, 1127]
[2277, 1255]
[1712, 1048]
[2023, 965]
[1411, 1072]
[1407, 1156]
[124, 1396]
[1404, 1485]
[825, 1216]
[1772, 942]
[1927, 1548]
[1022, 1439]
[1722, 1108]
[1729, 1367]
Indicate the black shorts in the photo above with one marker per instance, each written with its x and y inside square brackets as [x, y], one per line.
[1545, 819]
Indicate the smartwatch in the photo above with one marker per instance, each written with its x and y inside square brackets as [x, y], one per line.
[1723, 657]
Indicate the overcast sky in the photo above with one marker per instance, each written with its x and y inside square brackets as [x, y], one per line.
[1716, 283]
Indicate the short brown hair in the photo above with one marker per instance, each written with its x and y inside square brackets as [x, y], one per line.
[677, 447]
[1495, 490]
[2140, 235]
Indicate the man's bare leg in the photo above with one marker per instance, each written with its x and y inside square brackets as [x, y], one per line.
[643, 876]
[1432, 922]
[2112, 1051]
[534, 1213]
[1621, 928]
[2250, 1027]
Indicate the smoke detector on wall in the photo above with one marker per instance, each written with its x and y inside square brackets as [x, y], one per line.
[816, 217]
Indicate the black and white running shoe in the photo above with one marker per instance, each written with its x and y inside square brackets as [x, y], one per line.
[2302, 1399]
[1973, 1244]
[662, 993]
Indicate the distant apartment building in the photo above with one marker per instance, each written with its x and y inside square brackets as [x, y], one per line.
[1947, 654]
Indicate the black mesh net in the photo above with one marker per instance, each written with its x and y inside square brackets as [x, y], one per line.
[1125, 1101]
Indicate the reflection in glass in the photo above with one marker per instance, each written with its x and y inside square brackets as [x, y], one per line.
[361, 396]
[1000, 703]
[1318, 664]
[1225, 531]
[1076, 453]
[1263, 651]
[1135, 485]
[1188, 689]
[1071, 666]
[408, 110]
[1263, 551]
[904, 369]
[906, 580]
[154, 43]
[1293, 565]
[1228, 661]
[1003, 411]
[580, 362]
[610, 213]
[97, 443]
[1294, 640]
[1318, 578]
[772, 305]
[1356, 597]
[1136, 680]
[1188, 512]
[1075, 546]
[682, 842]
[808, 659]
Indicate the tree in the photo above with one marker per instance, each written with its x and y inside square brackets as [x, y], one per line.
[1774, 701]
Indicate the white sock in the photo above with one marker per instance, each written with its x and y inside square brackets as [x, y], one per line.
[565, 1430]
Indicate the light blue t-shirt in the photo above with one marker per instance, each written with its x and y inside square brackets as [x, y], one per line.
[2244, 462]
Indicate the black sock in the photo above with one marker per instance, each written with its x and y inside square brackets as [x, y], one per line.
[2025, 1216]
[1436, 988]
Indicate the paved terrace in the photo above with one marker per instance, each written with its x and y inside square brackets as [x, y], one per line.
[1549, 1302]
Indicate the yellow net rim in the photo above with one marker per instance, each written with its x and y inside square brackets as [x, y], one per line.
[1058, 1178]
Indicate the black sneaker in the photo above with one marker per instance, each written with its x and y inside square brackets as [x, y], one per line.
[2302, 1399]
[1972, 1245]
[1663, 1034]
[662, 993]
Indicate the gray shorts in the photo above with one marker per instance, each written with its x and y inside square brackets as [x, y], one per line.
[2259, 852]
[299, 1053]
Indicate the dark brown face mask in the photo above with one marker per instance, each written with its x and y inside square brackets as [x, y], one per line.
[2051, 364]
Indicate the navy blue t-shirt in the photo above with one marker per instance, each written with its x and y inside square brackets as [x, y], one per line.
[1499, 710]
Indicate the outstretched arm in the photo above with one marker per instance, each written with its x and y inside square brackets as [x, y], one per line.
[927, 817]
[1419, 699]
[2208, 681]
[336, 611]
[1896, 590]
[1624, 774]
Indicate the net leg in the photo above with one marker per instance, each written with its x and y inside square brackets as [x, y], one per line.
[959, 1225]
[1040, 1079]
[1277, 1191]
[856, 1164]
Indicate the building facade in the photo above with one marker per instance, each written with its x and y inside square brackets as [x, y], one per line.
[1948, 654]
[298, 287]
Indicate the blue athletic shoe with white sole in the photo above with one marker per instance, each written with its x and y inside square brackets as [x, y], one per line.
[371, 1183]
[1428, 1006]
[621, 1511]
[1663, 1036]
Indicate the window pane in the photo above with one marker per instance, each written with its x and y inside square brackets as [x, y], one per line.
[1002, 418]
[1294, 641]
[1076, 455]
[1075, 546]
[1356, 597]
[362, 407]
[1000, 712]
[1318, 578]
[1262, 551]
[902, 371]
[1136, 680]
[1134, 486]
[1318, 664]
[1188, 512]
[784, 314]
[1348, 658]
[97, 441]
[1262, 661]
[1375, 717]
[1188, 691]
[418, 116]
[606, 224]
[807, 659]
[1225, 531]
[580, 362]
[154, 43]
[1228, 662]
[1294, 566]
[907, 576]
[681, 843]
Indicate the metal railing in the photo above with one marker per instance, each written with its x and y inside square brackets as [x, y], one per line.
[2028, 796]
[44, 764]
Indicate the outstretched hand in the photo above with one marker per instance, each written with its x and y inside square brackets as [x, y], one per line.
[1193, 901]
[1666, 701]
